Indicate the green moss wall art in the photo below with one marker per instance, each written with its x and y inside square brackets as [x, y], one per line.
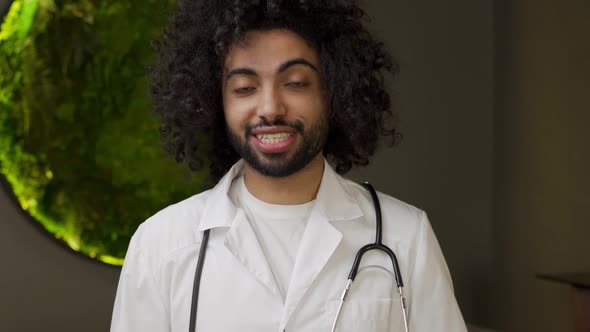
[79, 146]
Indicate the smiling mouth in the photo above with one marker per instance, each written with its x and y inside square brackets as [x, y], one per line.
[273, 138]
[274, 143]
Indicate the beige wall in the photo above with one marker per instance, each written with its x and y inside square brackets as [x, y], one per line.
[542, 158]
[444, 166]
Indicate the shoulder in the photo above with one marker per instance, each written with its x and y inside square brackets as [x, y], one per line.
[404, 225]
[391, 207]
[170, 230]
[406, 228]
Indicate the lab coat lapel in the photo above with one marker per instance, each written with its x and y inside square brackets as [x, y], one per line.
[240, 239]
[319, 242]
[320, 238]
[243, 244]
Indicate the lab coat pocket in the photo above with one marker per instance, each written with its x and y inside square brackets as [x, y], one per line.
[360, 315]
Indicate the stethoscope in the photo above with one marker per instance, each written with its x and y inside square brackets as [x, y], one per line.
[377, 245]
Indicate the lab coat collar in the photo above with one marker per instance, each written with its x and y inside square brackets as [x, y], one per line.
[219, 210]
[333, 201]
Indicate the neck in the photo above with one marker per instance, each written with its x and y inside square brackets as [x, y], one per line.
[298, 188]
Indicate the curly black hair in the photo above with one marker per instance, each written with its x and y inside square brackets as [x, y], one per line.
[187, 76]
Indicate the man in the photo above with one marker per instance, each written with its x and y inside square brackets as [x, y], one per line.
[278, 89]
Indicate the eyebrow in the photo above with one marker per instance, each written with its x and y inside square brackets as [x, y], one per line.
[284, 66]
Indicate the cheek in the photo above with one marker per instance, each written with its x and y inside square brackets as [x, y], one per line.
[231, 120]
[236, 113]
[311, 107]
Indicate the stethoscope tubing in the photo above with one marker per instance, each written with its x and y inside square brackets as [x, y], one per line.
[197, 281]
[377, 245]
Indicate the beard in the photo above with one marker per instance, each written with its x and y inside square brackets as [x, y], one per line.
[281, 164]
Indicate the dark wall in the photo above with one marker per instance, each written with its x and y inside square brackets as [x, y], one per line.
[542, 183]
[445, 97]
[4, 4]
[43, 286]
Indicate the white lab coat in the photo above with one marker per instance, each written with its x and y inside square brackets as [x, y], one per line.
[238, 291]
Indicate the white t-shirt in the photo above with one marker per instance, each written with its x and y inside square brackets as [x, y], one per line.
[279, 229]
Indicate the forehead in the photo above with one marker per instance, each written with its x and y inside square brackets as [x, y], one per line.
[267, 50]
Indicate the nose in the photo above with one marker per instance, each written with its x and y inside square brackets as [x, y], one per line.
[271, 106]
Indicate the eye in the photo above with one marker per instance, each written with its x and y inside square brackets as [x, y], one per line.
[244, 90]
[297, 84]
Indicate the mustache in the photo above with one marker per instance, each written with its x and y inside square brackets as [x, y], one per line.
[297, 125]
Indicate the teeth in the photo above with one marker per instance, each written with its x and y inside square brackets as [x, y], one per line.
[273, 138]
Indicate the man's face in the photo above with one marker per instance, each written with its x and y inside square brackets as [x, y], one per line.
[274, 102]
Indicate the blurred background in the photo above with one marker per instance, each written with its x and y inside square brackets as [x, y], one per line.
[494, 99]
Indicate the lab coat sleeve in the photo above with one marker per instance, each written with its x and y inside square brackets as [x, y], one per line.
[432, 303]
[139, 305]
